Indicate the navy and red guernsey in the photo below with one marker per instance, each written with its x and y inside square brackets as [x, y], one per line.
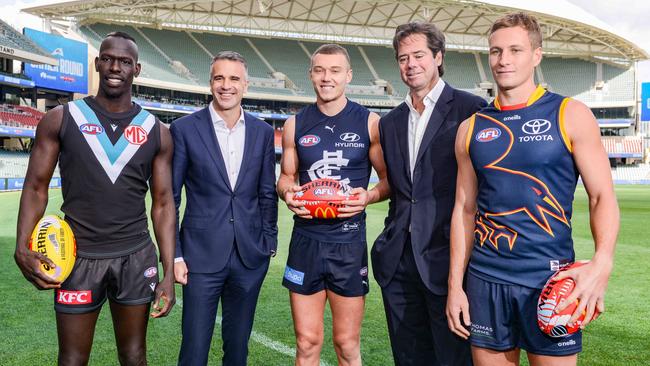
[526, 182]
[334, 147]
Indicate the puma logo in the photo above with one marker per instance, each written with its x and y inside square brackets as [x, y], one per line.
[331, 128]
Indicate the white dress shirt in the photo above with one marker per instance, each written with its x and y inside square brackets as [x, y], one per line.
[231, 142]
[418, 123]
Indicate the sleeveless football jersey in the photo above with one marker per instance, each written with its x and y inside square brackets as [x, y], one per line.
[333, 147]
[106, 163]
[526, 181]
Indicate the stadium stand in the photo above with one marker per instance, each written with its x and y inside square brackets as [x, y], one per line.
[623, 146]
[568, 76]
[19, 116]
[631, 174]
[9, 37]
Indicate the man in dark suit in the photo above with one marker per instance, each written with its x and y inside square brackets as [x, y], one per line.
[411, 256]
[225, 158]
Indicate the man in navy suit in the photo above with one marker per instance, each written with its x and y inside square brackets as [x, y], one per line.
[225, 158]
[411, 256]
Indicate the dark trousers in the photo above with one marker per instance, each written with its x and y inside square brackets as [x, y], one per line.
[238, 288]
[417, 325]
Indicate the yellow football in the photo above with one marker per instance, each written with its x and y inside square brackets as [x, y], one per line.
[53, 238]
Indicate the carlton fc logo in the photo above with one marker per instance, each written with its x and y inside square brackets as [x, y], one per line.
[488, 134]
[536, 126]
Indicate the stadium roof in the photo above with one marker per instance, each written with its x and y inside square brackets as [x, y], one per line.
[568, 30]
[15, 46]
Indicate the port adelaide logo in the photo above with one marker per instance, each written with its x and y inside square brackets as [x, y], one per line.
[535, 130]
[349, 139]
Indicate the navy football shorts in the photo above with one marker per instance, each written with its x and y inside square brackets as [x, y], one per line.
[504, 317]
[315, 265]
[127, 280]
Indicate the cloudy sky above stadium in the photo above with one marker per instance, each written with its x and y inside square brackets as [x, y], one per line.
[630, 18]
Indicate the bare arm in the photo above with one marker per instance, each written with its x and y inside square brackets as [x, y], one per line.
[381, 190]
[287, 184]
[163, 216]
[591, 159]
[33, 199]
[462, 235]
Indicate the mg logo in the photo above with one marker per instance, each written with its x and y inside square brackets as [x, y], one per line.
[350, 137]
[136, 135]
[536, 126]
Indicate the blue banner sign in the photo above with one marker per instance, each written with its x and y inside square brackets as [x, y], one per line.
[71, 74]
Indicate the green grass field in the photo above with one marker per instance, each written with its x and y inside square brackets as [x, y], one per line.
[619, 337]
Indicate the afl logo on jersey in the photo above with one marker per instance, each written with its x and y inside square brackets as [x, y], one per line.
[536, 126]
[309, 140]
[91, 129]
[488, 134]
[135, 135]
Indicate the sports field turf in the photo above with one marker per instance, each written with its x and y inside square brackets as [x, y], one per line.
[620, 337]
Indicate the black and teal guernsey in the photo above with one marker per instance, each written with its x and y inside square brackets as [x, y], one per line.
[334, 147]
[526, 179]
[106, 163]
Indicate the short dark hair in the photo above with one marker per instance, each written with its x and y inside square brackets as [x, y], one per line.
[435, 38]
[330, 49]
[121, 35]
[230, 56]
[520, 19]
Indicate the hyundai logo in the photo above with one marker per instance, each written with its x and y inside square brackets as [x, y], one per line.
[350, 137]
[536, 126]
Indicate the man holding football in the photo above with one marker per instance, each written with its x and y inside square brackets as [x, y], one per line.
[109, 152]
[336, 139]
[518, 164]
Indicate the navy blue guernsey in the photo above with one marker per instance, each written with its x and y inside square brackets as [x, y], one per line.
[106, 163]
[333, 147]
[526, 182]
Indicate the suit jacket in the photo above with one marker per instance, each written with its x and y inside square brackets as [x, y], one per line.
[218, 217]
[424, 202]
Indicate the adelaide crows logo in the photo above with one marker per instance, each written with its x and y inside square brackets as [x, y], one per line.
[537, 201]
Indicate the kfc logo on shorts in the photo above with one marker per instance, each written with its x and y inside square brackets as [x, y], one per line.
[135, 135]
[74, 297]
[150, 272]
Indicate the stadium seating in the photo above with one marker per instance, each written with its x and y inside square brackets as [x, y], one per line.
[623, 146]
[12, 38]
[19, 116]
[162, 51]
[13, 164]
[631, 173]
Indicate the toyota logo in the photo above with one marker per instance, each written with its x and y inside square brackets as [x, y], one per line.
[536, 126]
[350, 137]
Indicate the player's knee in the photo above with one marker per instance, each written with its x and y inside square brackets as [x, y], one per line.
[308, 344]
[132, 356]
[72, 358]
[347, 346]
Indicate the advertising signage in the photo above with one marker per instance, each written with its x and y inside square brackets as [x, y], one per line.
[71, 74]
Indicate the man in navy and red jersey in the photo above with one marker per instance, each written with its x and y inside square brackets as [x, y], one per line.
[518, 165]
[109, 151]
[328, 261]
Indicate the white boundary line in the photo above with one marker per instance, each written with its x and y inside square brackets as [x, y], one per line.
[263, 340]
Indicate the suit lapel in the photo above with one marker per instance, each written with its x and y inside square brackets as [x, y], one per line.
[436, 120]
[401, 127]
[249, 145]
[209, 137]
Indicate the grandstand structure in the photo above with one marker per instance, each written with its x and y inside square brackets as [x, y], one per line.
[583, 57]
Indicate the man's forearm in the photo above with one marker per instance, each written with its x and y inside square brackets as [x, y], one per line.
[460, 247]
[164, 223]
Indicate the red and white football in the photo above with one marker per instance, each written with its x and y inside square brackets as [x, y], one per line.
[553, 294]
[323, 198]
